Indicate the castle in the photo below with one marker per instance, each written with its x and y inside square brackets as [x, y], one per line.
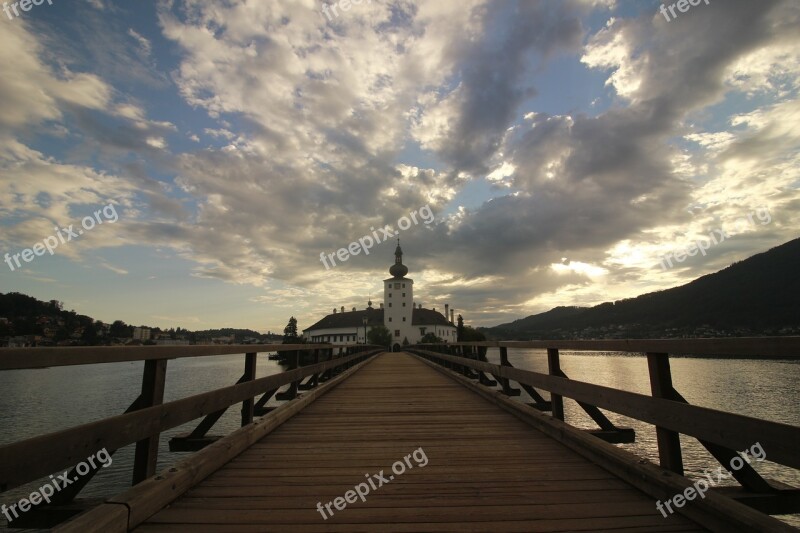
[406, 320]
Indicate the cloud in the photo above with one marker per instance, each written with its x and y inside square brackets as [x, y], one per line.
[314, 131]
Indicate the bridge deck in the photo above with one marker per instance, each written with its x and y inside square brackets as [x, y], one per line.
[486, 470]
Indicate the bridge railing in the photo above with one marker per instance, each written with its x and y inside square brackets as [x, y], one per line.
[147, 417]
[722, 433]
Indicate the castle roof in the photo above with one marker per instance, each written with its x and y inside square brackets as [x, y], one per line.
[355, 319]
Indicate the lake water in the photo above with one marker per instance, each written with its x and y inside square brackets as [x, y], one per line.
[36, 402]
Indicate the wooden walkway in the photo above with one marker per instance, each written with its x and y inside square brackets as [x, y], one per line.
[486, 470]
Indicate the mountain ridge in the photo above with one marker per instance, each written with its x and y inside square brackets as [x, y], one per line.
[758, 295]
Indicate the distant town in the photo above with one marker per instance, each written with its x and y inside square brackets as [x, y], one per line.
[26, 322]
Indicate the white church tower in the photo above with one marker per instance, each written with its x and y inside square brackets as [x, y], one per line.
[398, 301]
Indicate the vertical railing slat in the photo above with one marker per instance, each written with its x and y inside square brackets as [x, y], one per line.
[554, 368]
[669, 442]
[249, 375]
[146, 454]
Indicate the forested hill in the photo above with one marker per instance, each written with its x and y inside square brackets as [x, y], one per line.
[760, 295]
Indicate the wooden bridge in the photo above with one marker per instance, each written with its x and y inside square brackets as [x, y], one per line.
[423, 440]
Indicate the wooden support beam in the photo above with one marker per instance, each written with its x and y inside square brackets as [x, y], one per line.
[146, 454]
[291, 392]
[508, 390]
[607, 428]
[186, 443]
[784, 499]
[554, 368]
[618, 435]
[65, 496]
[190, 442]
[482, 377]
[669, 443]
[537, 398]
[746, 475]
[249, 375]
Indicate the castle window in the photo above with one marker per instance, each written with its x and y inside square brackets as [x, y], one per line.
[404, 319]
[397, 333]
[390, 319]
[390, 304]
[404, 304]
[390, 295]
[397, 285]
[404, 295]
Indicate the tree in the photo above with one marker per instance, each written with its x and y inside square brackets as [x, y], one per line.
[460, 329]
[120, 329]
[431, 338]
[89, 337]
[290, 332]
[405, 341]
[471, 334]
[379, 335]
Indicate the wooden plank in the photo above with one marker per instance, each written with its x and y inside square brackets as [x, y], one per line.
[354, 514]
[632, 524]
[535, 485]
[106, 518]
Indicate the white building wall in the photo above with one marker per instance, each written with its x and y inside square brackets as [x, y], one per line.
[337, 336]
[398, 306]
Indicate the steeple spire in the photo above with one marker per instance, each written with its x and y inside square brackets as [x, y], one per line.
[398, 269]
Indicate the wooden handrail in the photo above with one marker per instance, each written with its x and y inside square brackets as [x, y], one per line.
[725, 429]
[24, 358]
[31, 459]
[738, 346]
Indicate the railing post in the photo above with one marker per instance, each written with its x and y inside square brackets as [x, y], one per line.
[146, 454]
[315, 379]
[298, 362]
[669, 442]
[554, 368]
[249, 375]
[504, 362]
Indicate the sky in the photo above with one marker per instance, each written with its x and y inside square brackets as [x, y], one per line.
[219, 148]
